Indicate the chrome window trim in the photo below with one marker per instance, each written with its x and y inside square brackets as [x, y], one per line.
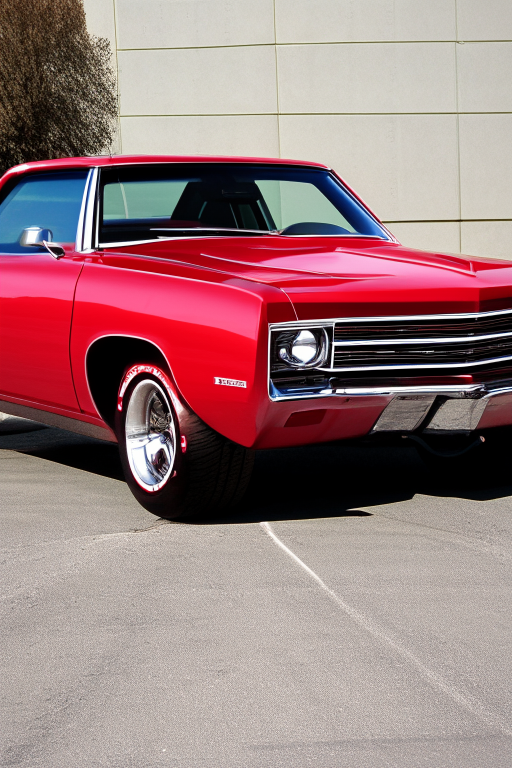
[84, 242]
[211, 236]
[386, 236]
[95, 212]
[80, 229]
[127, 243]
[79, 239]
[214, 160]
[350, 235]
[389, 237]
[202, 236]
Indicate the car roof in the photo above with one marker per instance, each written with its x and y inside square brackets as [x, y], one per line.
[113, 160]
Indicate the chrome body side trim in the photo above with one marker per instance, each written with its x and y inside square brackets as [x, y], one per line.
[58, 421]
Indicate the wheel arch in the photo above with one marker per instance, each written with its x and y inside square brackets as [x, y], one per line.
[107, 358]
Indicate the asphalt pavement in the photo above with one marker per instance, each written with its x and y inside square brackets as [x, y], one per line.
[353, 612]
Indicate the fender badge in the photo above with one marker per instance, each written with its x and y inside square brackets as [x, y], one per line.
[229, 382]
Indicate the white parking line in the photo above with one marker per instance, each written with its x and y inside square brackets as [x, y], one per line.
[467, 702]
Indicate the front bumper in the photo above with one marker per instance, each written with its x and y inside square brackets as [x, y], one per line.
[350, 412]
[467, 386]
[438, 409]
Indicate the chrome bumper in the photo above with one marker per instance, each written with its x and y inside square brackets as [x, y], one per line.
[436, 409]
[439, 409]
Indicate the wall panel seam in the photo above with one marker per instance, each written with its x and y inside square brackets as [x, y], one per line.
[457, 102]
[312, 114]
[315, 43]
[277, 84]
[118, 80]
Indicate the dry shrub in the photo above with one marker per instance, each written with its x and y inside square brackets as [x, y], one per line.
[58, 95]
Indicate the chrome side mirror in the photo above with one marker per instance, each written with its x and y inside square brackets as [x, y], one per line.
[36, 236]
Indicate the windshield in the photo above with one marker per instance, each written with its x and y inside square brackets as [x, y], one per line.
[147, 202]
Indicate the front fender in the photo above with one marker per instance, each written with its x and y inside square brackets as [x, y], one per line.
[212, 332]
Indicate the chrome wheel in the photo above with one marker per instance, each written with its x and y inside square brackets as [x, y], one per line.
[150, 435]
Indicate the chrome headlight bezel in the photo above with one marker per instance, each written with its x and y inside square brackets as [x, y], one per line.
[286, 339]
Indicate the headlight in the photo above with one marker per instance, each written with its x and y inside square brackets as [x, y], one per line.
[302, 349]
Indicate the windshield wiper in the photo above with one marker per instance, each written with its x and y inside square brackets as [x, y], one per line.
[230, 230]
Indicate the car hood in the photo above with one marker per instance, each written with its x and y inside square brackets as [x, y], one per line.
[339, 277]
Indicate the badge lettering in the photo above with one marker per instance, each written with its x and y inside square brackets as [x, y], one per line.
[229, 382]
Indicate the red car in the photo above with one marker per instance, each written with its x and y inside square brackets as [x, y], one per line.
[193, 309]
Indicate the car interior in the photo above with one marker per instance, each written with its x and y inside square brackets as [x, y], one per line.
[223, 204]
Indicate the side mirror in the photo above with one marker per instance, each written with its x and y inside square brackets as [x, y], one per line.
[36, 236]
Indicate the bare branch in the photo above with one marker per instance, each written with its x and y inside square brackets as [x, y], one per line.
[58, 92]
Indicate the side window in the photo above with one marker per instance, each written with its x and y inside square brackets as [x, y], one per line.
[46, 200]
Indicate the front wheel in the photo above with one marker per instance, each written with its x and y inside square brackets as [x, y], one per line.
[175, 465]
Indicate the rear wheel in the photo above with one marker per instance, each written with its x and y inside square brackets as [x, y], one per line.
[175, 465]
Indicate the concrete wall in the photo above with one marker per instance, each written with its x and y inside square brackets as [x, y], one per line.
[409, 100]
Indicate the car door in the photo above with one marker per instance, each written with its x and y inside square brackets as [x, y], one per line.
[36, 289]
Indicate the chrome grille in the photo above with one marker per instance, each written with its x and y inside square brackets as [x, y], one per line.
[424, 327]
[442, 342]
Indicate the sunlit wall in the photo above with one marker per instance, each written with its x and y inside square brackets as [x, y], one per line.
[409, 100]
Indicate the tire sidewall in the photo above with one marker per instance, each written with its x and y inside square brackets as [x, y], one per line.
[168, 500]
